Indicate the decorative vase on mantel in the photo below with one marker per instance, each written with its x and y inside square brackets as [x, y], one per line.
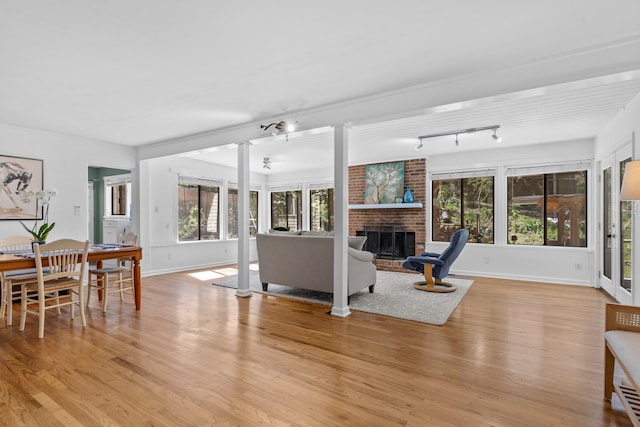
[408, 196]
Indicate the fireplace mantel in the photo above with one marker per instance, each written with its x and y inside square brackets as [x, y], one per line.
[387, 206]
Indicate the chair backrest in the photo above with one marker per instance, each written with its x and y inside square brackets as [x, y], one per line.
[458, 240]
[128, 239]
[64, 258]
[15, 244]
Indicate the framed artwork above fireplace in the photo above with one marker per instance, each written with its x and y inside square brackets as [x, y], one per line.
[384, 182]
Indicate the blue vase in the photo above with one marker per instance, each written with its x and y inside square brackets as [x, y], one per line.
[408, 196]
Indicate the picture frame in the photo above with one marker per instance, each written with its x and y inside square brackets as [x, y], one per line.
[18, 177]
[384, 182]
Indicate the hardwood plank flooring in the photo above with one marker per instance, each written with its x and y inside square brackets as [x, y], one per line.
[512, 354]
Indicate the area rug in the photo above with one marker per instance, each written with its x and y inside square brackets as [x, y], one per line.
[394, 296]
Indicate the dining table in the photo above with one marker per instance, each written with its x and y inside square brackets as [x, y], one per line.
[98, 253]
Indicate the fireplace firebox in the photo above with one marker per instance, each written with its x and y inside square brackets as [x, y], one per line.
[389, 241]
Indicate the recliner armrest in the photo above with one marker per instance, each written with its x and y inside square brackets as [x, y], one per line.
[430, 254]
[425, 260]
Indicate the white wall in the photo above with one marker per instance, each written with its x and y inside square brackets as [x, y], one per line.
[546, 264]
[66, 161]
[159, 189]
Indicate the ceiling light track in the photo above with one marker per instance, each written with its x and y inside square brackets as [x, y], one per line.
[494, 128]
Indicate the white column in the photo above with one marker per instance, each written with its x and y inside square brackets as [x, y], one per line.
[243, 220]
[341, 195]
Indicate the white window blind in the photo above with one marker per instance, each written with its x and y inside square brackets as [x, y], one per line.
[463, 174]
[320, 185]
[116, 180]
[234, 186]
[550, 168]
[293, 187]
[187, 180]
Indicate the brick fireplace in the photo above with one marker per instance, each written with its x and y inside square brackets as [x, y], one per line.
[399, 221]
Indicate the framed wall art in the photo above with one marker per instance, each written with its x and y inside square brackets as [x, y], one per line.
[19, 176]
[384, 182]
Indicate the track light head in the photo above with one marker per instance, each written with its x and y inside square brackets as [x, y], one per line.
[280, 127]
[495, 136]
[457, 142]
[266, 163]
[420, 145]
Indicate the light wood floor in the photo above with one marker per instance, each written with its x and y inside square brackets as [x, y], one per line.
[512, 354]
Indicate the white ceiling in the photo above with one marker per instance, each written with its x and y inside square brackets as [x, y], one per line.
[146, 72]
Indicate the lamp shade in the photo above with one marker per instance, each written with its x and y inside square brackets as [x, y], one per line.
[631, 181]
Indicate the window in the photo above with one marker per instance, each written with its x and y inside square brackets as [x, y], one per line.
[232, 220]
[119, 195]
[321, 209]
[547, 209]
[286, 210]
[117, 190]
[198, 210]
[463, 203]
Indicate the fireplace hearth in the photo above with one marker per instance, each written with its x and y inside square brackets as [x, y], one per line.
[389, 241]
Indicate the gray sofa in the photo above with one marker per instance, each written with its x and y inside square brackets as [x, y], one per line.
[306, 261]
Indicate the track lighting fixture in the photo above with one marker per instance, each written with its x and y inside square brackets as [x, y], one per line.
[495, 136]
[266, 163]
[279, 127]
[494, 128]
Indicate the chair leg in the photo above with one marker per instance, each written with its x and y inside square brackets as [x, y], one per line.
[105, 291]
[80, 305]
[3, 304]
[23, 308]
[89, 286]
[429, 285]
[609, 364]
[41, 309]
[7, 299]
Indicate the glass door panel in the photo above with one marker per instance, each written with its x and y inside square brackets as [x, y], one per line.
[626, 236]
[607, 222]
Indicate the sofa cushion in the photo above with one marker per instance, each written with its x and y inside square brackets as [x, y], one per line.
[314, 233]
[626, 346]
[290, 233]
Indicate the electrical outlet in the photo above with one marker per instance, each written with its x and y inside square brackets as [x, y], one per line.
[486, 260]
[578, 266]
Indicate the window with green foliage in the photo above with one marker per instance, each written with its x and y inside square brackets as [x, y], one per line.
[286, 210]
[321, 209]
[463, 203]
[232, 219]
[547, 209]
[626, 235]
[198, 212]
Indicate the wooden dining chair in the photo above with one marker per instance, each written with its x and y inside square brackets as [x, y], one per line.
[110, 279]
[60, 266]
[11, 280]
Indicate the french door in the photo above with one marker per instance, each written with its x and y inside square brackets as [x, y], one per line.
[616, 229]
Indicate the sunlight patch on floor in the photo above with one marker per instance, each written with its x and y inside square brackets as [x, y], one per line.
[219, 273]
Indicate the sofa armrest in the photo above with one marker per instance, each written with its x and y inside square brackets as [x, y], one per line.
[361, 255]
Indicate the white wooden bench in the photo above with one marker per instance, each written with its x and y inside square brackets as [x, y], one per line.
[622, 345]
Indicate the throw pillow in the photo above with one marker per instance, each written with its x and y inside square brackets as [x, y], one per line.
[357, 242]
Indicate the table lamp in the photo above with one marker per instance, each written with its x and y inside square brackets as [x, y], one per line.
[631, 181]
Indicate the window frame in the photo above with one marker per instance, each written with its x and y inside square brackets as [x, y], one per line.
[234, 187]
[288, 207]
[544, 172]
[112, 182]
[200, 184]
[461, 177]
